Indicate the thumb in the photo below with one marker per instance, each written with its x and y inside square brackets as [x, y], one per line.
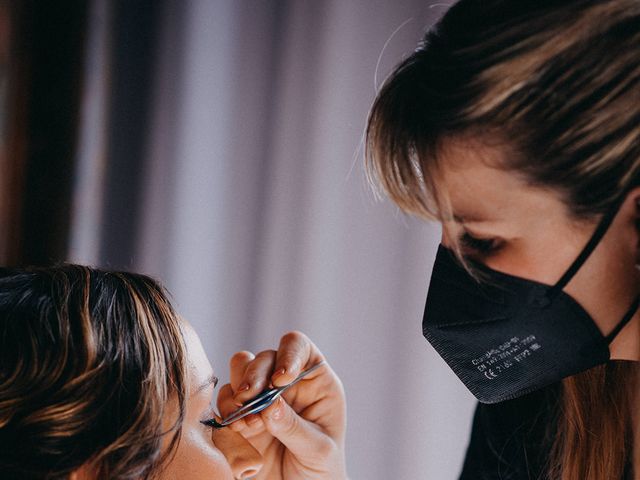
[304, 439]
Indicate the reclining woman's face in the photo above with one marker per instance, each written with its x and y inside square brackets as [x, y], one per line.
[203, 452]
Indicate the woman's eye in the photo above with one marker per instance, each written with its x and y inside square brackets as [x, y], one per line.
[211, 416]
[483, 246]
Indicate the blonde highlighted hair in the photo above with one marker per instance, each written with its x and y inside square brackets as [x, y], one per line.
[89, 362]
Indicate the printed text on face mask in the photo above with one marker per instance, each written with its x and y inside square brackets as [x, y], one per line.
[499, 359]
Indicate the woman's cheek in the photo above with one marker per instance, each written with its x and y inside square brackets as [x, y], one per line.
[197, 458]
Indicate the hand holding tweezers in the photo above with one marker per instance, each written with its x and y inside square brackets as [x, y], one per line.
[261, 401]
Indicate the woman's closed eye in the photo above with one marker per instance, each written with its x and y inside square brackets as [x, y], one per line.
[209, 418]
[476, 245]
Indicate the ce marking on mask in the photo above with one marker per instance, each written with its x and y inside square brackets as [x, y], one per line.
[497, 360]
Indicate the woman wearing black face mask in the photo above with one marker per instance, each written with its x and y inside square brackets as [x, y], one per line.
[516, 124]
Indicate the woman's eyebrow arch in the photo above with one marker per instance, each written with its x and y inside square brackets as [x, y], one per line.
[211, 380]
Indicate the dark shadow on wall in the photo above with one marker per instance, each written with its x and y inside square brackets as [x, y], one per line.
[45, 70]
[43, 95]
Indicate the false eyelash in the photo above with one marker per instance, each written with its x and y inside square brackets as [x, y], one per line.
[211, 423]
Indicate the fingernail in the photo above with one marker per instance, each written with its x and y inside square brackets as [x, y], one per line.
[249, 474]
[279, 373]
[243, 388]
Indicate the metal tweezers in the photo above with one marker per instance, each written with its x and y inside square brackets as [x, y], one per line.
[260, 402]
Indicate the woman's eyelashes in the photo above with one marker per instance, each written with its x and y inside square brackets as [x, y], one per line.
[477, 245]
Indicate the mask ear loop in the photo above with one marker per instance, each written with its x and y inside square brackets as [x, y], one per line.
[599, 232]
[626, 319]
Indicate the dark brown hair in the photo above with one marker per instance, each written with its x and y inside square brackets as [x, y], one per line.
[555, 86]
[89, 360]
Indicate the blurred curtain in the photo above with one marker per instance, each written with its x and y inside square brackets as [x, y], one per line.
[220, 151]
[41, 69]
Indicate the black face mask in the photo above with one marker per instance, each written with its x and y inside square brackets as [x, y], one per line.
[507, 336]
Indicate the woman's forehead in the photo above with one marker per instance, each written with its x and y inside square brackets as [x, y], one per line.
[479, 190]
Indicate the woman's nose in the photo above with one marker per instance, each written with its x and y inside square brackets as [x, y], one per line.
[245, 461]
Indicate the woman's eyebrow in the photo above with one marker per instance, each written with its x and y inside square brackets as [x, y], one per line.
[211, 380]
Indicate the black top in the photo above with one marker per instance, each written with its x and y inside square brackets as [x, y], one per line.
[511, 440]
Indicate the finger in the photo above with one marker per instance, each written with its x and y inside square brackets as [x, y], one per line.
[302, 438]
[295, 353]
[245, 459]
[256, 376]
[237, 366]
[225, 402]
[227, 406]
